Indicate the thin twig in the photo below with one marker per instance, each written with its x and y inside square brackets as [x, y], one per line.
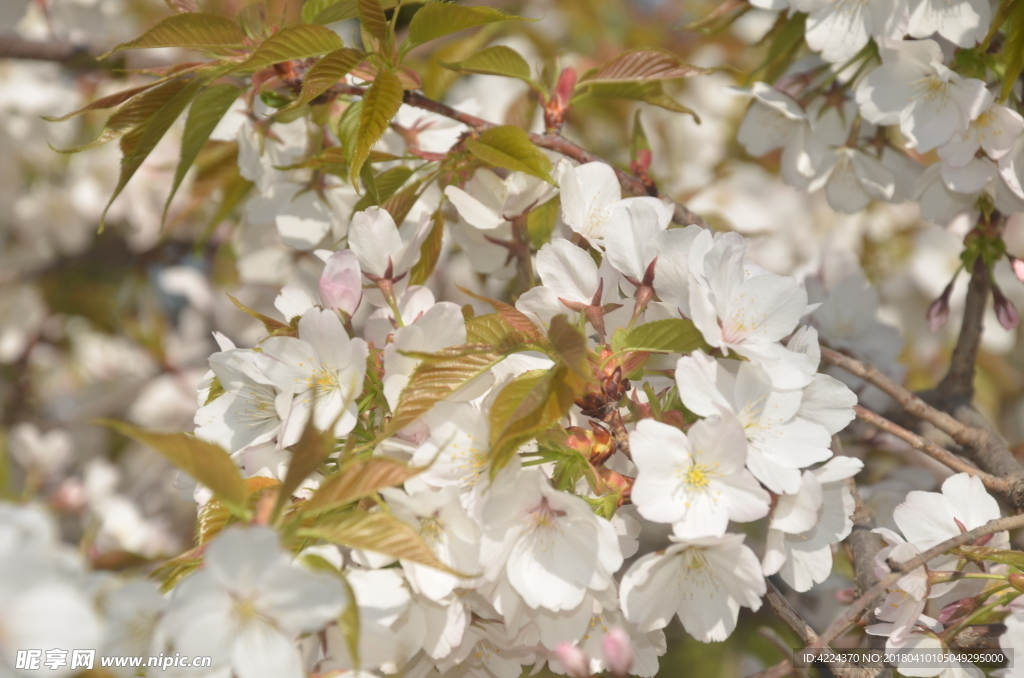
[854, 612]
[998, 485]
[789, 614]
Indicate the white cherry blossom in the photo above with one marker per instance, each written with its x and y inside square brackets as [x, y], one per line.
[697, 480]
[704, 581]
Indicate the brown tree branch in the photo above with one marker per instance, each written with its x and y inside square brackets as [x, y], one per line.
[959, 381]
[998, 485]
[965, 425]
[789, 614]
[857, 608]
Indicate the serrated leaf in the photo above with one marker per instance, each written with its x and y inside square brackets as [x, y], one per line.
[1013, 48]
[528, 405]
[357, 479]
[433, 381]
[671, 335]
[542, 220]
[204, 114]
[520, 329]
[348, 130]
[136, 112]
[643, 64]
[399, 205]
[430, 252]
[496, 60]
[208, 464]
[569, 345]
[328, 11]
[326, 72]
[380, 104]
[438, 19]
[193, 30]
[650, 91]
[373, 21]
[381, 186]
[137, 144]
[509, 147]
[489, 329]
[299, 41]
[380, 532]
[109, 101]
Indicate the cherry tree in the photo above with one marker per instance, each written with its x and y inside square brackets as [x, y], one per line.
[489, 360]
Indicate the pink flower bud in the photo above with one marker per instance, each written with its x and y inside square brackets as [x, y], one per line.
[1005, 310]
[341, 284]
[573, 660]
[1018, 267]
[954, 612]
[938, 312]
[618, 653]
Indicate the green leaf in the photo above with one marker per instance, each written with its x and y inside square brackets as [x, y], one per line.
[399, 205]
[214, 516]
[433, 381]
[208, 464]
[194, 30]
[496, 60]
[380, 532]
[510, 147]
[299, 41]
[357, 479]
[109, 101]
[438, 19]
[430, 252]
[671, 335]
[133, 114]
[272, 325]
[515, 327]
[380, 104]
[541, 222]
[326, 72]
[570, 346]
[528, 405]
[641, 65]
[649, 91]
[307, 456]
[328, 11]
[137, 144]
[371, 16]
[204, 114]
[381, 186]
[1013, 48]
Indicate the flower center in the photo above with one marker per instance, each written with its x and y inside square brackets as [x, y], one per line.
[697, 477]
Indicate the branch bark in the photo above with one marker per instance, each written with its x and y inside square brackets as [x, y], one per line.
[1001, 486]
[959, 381]
[965, 425]
[857, 608]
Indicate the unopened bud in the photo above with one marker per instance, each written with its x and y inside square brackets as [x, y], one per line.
[573, 660]
[618, 652]
[556, 108]
[341, 284]
[1006, 312]
[1016, 581]
[954, 612]
[938, 312]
